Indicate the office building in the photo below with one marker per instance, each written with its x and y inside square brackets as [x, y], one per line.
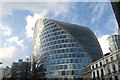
[61, 49]
[20, 70]
[7, 73]
[114, 42]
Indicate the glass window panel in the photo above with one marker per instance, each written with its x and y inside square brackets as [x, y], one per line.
[63, 72]
[76, 60]
[65, 66]
[82, 54]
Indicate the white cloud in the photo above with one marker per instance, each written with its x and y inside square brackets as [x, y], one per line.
[104, 43]
[11, 51]
[15, 40]
[5, 30]
[9, 54]
[31, 20]
[39, 9]
[36, 7]
[98, 9]
[40, 12]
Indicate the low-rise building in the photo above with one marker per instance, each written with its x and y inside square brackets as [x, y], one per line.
[20, 70]
[7, 73]
[106, 68]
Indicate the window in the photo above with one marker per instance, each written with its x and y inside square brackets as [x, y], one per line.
[62, 41]
[73, 45]
[60, 46]
[119, 65]
[67, 60]
[93, 74]
[80, 50]
[65, 66]
[66, 40]
[106, 60]
[116, 77]
[65, 45]
[111, 58]
[76, 60]
[72, 60]
[67, 72]
[117, 56]
[102, 72]
[98, 74]
[67, 50]
[72, 72]
[108, 68]
[78, 54]
[110, 78]
[61, 66]
[64, 36]
[82, 55]
[100, 63]
[96, 65]
[114, 68]
[63, 72]
[73, 55]
[60, 37]
[93, 67]
[72, 50]
[58, 51]
[58, 61]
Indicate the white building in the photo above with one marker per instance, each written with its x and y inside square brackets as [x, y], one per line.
[106, 68]
[1, 73]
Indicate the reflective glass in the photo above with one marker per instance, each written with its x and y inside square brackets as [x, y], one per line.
[61, 54]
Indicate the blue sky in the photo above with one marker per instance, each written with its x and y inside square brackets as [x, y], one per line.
[18, 19]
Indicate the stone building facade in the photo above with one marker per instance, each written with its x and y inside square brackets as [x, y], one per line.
[106, 68]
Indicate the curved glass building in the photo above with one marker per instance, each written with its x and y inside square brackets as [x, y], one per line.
[61, 49]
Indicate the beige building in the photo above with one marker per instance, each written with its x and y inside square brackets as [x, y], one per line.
[106, 68]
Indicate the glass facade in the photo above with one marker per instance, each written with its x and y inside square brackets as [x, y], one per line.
[58, 54]
[114, 42]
